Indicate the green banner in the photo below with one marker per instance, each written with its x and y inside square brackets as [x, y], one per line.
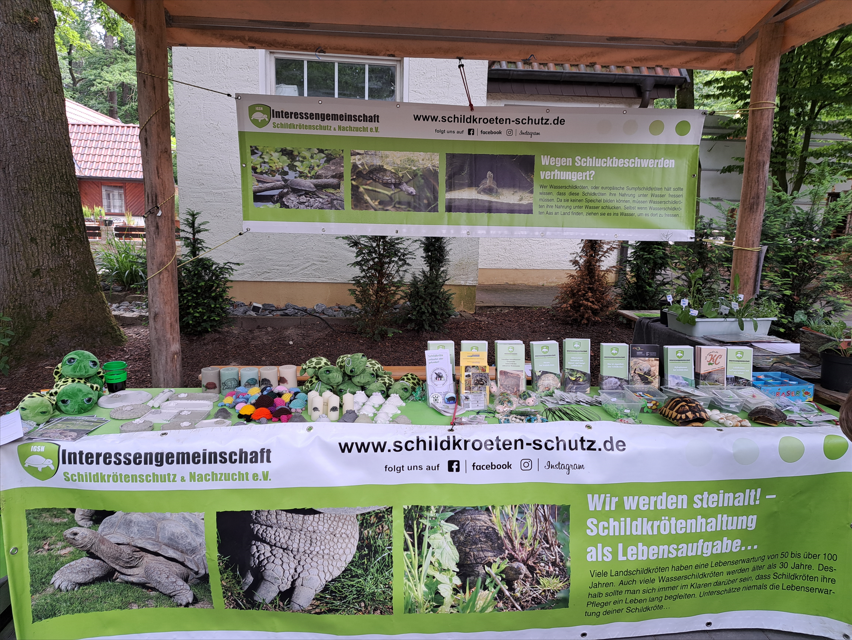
[601, 529]
[345, 166]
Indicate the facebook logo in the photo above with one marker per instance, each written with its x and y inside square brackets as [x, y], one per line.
[471, 131]
[453, 466]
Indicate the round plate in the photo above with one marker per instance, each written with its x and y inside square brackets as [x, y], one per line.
[122, 398]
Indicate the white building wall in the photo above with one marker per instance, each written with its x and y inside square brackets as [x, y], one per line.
[208, 168]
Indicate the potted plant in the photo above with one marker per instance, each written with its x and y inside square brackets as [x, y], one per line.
[693, 314]
[836, 355]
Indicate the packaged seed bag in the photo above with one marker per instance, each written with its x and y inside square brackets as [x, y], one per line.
[645, 364]
[576, 364]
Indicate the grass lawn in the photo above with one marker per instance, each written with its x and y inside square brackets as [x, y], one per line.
[48, 551]
[364, 587]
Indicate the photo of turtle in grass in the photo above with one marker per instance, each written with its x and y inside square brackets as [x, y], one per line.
[120, 561]
[486, 559]
[297, 178]
[320, 561]
[394, 181]
[481, 183]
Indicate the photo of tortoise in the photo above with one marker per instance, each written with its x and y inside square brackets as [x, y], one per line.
[284, 560]
[488, 558]
[297, 178]
[684, 412]
[394, 180]
[486, 183]
[82, 560]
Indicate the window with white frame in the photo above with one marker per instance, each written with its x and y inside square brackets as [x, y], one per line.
[335, 76]
[113, 197]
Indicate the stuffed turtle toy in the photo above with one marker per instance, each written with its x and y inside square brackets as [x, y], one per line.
[412, 379]
[374, 365]
[401, 388]
[354, 364]
[376, 387]
[385, 378]
[313, 365]
[330, 375]
[81, 365]
[348, 386]
[36, 407]
[365, 378]
[74, 398]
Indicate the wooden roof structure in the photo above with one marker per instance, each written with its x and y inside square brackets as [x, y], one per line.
[693, 34]
[690, 34]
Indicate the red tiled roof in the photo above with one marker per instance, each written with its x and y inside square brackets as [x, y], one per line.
[105, 150]
[590, 68]
[80, 114]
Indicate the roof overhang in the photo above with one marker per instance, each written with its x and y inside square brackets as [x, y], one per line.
[693, 34]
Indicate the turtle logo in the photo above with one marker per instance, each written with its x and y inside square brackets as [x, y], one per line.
[510, 350]
[614, 351]
[39, 459]
[259, 114]
[545, 349]
[576, 345]
[679, 354]
[474, 348]
[739, 355]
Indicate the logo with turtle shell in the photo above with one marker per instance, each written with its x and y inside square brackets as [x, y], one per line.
[576, 345]
[545, 349]
[614, 351]
[39, 459]
[679, 354]
[739, 355]
[259, 114]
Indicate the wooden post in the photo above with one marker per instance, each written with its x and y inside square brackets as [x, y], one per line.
[155, 140]
[764, 86]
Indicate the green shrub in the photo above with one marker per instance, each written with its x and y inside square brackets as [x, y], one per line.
[711, 259]
[430, 305]
[644, 276]
[122, 262]
[382, 263]
[203, 284]
[587, 296]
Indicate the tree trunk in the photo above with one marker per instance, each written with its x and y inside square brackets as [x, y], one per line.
[48, 283]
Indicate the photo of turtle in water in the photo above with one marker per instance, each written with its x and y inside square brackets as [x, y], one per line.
[297, 178]
[486, 559]
[394, 181]
[480, 183]
[83, 561]
[575, 380]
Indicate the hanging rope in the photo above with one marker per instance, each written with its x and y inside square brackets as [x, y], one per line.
[464, 82]
[196, 257]
[221, 93]
[745, 109]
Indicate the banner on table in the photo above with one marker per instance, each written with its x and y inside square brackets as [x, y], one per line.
[598, 529]
[321, 165]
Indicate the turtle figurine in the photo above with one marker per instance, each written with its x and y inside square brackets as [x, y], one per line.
[165, 551]
[764, 414]
[488, 187]
[391, 179]
[685, 412]
[478, 543]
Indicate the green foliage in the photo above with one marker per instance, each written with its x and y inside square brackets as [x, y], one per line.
[587, 296]
[430, 563]
[48, 552]
[814, 99]
[643, 281]
[122, 262]
[203, 284]
[701, 304]
[805, 267]
[6, 335]
[382, 263]
[93, 213]
[430, 305]
[306, 162]
[704, 255]
[837, 330]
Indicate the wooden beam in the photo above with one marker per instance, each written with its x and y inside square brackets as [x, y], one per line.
[764, 86]
[155, 142]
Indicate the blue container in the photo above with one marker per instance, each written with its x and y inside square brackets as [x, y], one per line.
[776, 384]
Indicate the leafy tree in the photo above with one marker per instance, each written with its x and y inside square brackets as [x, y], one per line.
[382, 263]
[587, 296]
[814, 99]
[203, 284]
[430, 305]
[706, 256]
[644, 276]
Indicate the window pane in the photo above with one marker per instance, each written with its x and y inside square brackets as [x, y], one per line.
[350, 80]
[321, 79]
[289, 77]
[113, 199]
[382, 83]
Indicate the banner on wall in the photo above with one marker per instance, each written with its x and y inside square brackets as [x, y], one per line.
[325, 165]
[568, 530]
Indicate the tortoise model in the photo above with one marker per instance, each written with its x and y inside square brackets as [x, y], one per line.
[303, 551]
[488, 187]
[165, 551]
[764, 414]
[478, 543]
[684, 412]
[390, 178]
